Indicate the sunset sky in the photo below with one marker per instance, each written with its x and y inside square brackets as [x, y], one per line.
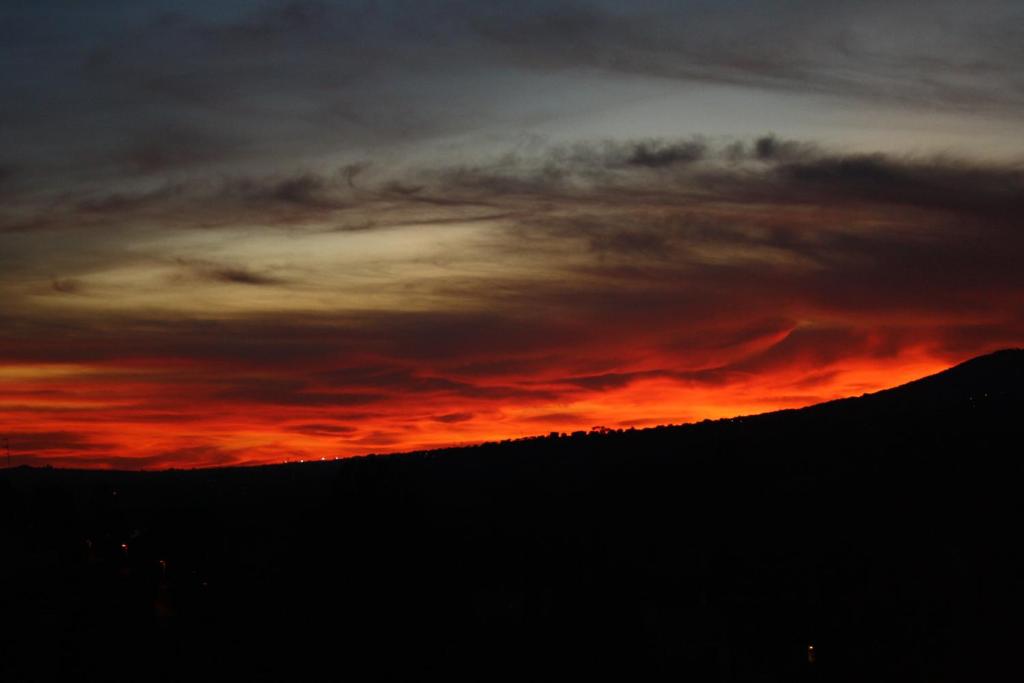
[239, 232]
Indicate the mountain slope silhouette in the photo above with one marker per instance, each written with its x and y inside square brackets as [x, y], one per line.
[882, 530]
[998, 374]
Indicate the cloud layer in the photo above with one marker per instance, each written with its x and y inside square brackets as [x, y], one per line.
[305, 230]
[612, 283]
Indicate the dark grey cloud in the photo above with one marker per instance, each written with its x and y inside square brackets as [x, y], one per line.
[199, 203]
[238, 275]
[162, 87]
[453, 418]
[784, 172]
[243, 277]
[291, 392]
[612, 380]
[408, 382]
[655, 155]
[305, 190]
[896, 51]
[321, 429]
[942, 184]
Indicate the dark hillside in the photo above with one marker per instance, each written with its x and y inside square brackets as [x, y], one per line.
[883, 530]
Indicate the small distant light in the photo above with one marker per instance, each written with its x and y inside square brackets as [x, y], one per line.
[124, 547]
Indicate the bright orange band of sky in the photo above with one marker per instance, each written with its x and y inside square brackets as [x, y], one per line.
[160, 416]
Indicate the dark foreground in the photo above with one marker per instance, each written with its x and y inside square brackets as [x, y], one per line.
[882, 530]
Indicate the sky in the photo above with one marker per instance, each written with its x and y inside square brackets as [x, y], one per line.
[248, 232]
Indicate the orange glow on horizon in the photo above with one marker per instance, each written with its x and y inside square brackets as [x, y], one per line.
[102, 417]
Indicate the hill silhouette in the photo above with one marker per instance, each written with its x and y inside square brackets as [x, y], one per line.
[879, 530]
